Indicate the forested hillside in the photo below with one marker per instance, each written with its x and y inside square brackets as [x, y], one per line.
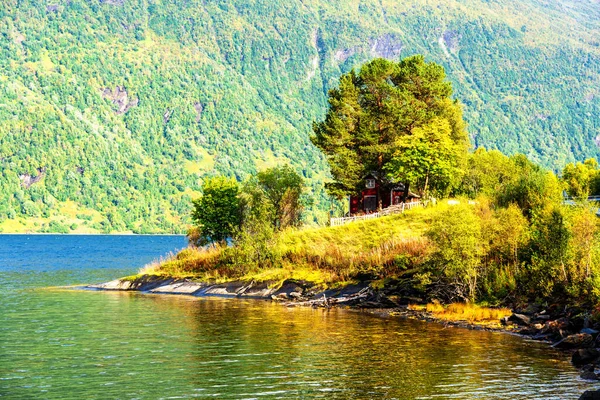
[112, 111]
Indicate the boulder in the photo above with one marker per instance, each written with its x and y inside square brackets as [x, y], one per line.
[584, 356]
[577, 341]
[590, 331]
[520, 319]
[588, 375]
[557, 325]
[591, 395]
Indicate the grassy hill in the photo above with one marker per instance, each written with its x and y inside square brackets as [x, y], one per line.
[112, 111]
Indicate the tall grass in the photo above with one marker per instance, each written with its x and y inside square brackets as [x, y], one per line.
[383, 247]
[464, 312]
[191, 261]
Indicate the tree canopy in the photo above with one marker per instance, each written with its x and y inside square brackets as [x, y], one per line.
[265, 203]
[282, 187]
[397, 119]
[582, 179]
[217, 212]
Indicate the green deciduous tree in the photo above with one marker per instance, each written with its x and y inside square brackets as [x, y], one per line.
[531, 187]
[582, 179]
[282, 188]
[217, 212]
[547, 264]
[459, 249]
[427, 159]
[584, 244]
[486, 172]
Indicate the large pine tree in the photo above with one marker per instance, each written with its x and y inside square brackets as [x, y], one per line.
[396, 119]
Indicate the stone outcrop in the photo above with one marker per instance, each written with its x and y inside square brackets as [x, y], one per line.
[145, 283]
[520, 319]
[199, 107]
[120, 98]
[577, 341]
[161, 285]
[582, 357]
[451, 39]
[28, 180]
[590, 395]
[386, 46]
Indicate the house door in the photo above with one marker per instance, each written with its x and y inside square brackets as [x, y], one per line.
[370, 203]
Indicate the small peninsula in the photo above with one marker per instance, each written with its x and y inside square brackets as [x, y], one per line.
[429, 228]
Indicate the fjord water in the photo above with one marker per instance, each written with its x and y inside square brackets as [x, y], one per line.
[62, 344]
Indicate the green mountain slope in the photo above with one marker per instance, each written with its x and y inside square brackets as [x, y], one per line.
[112, 111]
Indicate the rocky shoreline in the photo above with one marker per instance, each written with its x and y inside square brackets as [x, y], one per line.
[569, 330]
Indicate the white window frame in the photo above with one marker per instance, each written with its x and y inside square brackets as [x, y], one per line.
[370, 184]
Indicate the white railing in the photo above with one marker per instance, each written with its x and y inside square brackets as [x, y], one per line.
[396, 209]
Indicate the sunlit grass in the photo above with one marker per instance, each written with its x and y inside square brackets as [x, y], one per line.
[328, 256]
[188, 262]
[463, 312]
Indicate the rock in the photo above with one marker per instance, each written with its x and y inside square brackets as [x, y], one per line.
[588, 375]
[178, 288]
[557, 325]
[590, 331]
[584, 356]
[542, 317]
[120, 98]
[588, 367]
[590, 395]
[520, 319]
[387, 46]
[542, 336]
[577, 341]
[504, 321]
[532, 309]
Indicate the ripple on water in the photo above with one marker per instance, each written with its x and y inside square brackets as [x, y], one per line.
[75, 344]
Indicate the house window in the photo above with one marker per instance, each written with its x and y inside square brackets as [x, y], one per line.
[370, 203]
[370, 183]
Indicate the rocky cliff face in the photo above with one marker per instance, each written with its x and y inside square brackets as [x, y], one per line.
[120, 98]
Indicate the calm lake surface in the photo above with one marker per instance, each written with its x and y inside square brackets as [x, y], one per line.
[66, 344]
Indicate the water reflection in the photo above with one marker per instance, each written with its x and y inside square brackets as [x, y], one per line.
[57, 344]
[128, 345]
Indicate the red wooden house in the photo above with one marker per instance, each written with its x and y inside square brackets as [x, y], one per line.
[380, 193]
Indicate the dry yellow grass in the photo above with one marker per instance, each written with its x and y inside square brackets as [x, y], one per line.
[188, 262]
[463, 312]
[382, 248]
